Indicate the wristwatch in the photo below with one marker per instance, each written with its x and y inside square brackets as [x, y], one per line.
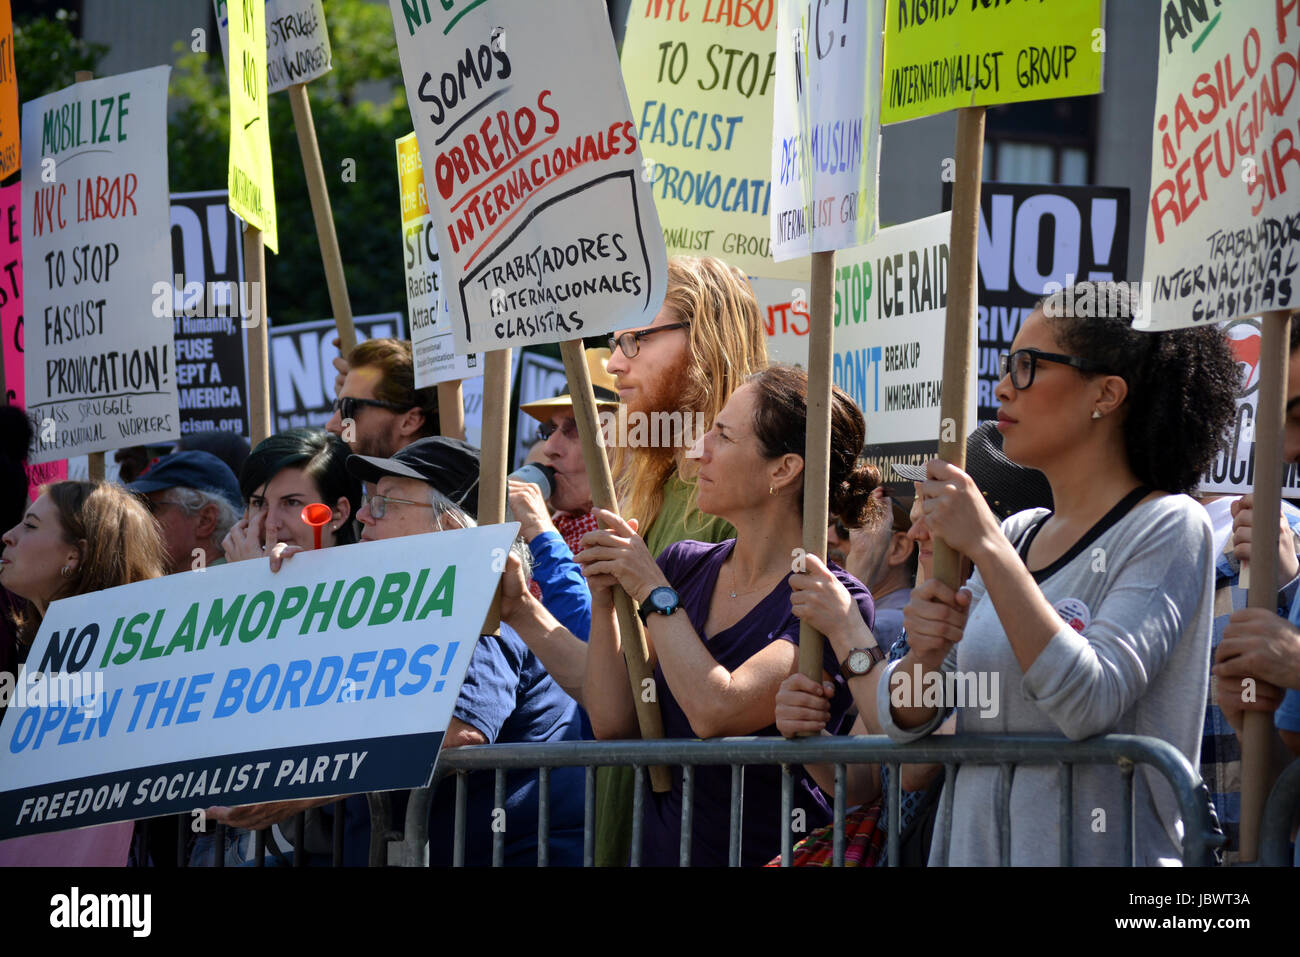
[662, 600]
[860, 661]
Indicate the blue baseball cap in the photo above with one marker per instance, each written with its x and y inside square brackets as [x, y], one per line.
[197, 470]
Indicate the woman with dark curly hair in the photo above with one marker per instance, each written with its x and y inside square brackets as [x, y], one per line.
[1095, 617]
[723, 620]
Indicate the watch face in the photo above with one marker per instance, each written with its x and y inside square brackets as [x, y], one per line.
[859, 662]
[661, 599]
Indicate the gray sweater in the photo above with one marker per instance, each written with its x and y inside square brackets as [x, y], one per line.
[1140, 666]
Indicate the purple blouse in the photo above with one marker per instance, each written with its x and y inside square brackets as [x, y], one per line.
[692, 569]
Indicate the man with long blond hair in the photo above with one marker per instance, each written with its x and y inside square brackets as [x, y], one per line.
[673, 377]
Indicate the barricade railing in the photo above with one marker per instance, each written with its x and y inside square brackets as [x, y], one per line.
[1280, 812]
[1009, 752]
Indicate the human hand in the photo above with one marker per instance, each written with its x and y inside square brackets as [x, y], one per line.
[256, 816]
[1259, 644]
[1235, 697]
[935, 618]
[515, 596]
[244, 540]
[803, 706]
[1288, 564]
[615, 554]
[529, 509]
[955, 511]
[281, 551]
[820, 599]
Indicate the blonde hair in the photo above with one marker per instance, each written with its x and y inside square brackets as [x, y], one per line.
[122, 542]
[727, 344]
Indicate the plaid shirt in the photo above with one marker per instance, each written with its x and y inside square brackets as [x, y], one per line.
[1220, 749]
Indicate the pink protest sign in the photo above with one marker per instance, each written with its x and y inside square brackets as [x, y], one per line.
[11, 322]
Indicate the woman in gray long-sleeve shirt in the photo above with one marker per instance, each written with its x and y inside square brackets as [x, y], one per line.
[1090, 619]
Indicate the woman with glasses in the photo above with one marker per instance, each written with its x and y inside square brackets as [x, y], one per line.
[1094, 617]
[722, 621]
[284, 473]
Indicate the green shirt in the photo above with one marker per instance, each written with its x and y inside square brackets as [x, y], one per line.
[678, 520]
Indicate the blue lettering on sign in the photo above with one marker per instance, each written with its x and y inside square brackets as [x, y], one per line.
[852, 369]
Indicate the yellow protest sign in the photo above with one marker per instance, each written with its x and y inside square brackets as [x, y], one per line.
[701, 80]
[944, 54]
[9, 160]
[252, 190]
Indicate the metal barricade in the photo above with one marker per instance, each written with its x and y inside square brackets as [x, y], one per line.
[1280, 812]
[1126, 751]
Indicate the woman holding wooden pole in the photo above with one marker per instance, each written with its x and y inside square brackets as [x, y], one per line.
[1093, 618]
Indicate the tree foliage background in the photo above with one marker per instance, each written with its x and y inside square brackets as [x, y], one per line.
[353, 122]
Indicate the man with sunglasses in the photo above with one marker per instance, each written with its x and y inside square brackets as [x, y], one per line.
[378, 410]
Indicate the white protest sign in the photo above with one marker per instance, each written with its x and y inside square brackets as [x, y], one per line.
[428, 312]
[546, 227]
[1223, 217]
[826, 126]
[335, 675]
[297, 42]
[96, 237]
[890, 301]
[1233, 470]
[783, 307]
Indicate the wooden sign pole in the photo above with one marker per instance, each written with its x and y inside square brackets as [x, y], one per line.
[959, 331]
[95, 460]
[495, 453]
[259, 378]
[321, 212]
[451, 409]
[636, 651]
[1257, 726]
[817, 452]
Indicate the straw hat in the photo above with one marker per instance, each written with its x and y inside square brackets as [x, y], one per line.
[602, 384]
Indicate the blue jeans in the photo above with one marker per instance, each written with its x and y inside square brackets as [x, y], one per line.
[238, 850]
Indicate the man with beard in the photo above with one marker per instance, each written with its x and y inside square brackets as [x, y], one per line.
[705, 341]
[379, 410]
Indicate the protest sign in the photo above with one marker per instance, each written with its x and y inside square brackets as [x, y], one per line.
[783, 308]
[297, 42]
[1233, 471]
[702, 83]
[540, 377]
[941, 57]
[1223, 230]
[9, 131]
[826, 129]
[11, 325]
[547, 231]
[1034, 239]
[250, 181]
[891, 297]
[99, 367]
[206, 308]
[428, 311]
[302, 364]
[335, 675]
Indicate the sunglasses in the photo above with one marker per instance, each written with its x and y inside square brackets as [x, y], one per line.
[628, 341]
[346, 406]
[569, 430]
[1022, 364]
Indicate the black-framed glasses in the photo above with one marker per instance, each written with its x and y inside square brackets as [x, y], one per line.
[569, 430]
[346, 406]
[1022, 365]
[378, 504]
[629, 342]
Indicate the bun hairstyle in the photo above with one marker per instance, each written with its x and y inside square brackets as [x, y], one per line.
[781, 426]
[1182, 383]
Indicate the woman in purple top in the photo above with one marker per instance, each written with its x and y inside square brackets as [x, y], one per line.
[723, 620]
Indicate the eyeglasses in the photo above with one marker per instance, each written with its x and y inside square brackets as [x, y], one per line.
[346, 406]
[629, 341]
[378, 504]
[1022, 364]
[569, 430]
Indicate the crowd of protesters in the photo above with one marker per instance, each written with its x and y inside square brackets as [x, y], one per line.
[1101, 588]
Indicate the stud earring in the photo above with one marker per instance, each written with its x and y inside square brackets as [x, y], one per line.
[1096, 414]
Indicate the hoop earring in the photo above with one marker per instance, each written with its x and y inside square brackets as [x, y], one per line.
[66, 571]
[771, 490]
